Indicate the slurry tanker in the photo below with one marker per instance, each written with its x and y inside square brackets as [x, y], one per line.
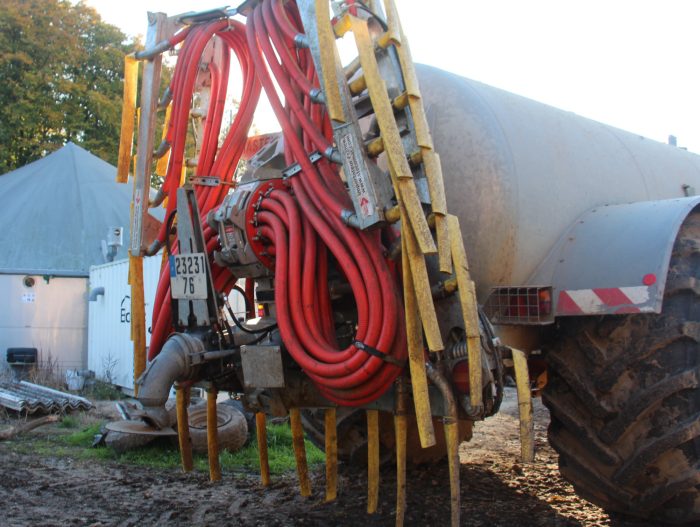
[408, 241]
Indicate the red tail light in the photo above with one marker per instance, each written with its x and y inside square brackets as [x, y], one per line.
[519, 305]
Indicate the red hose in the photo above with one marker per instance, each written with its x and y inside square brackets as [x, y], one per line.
[348, 376]
[302, 227]
[222, 161]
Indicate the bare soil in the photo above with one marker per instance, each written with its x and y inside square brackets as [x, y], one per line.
[497, 490]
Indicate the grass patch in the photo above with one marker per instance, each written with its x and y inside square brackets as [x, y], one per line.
[279, 450]
[98, 390]
[68, 421]
[81, 438]
[162, 455]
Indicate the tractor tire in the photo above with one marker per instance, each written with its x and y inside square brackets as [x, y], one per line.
[351, 426]
[624, 399]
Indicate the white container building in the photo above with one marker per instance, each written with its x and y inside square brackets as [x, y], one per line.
[110, 349]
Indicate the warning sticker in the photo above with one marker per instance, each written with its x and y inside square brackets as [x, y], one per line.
[352, 164]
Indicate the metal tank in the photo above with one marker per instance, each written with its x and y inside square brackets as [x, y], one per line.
[518, 173]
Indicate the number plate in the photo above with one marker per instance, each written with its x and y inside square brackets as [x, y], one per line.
[188, 276]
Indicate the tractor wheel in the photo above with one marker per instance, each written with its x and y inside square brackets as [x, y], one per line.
[351, 424]
[624, 398]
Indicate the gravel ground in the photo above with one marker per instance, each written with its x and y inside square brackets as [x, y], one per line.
[497, 490]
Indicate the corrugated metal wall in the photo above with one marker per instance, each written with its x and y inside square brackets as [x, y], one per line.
[110, 350]
[50, 316]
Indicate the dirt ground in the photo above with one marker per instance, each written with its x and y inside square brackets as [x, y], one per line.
[497, 490]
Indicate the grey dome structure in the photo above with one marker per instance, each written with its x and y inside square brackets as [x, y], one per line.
[56, 211]
[54, 215]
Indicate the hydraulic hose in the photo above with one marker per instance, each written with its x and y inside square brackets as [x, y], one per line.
[349, 376]
[302, 226]
[221, 161]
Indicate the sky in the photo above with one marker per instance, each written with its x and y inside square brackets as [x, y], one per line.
[633, 64]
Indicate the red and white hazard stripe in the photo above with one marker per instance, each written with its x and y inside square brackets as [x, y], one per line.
[617, 300]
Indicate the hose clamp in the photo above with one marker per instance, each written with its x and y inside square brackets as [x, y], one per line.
[301, 41]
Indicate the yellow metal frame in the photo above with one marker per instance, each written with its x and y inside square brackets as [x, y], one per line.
[261, 434]
[372, 461]
[126, 140]
[300, 451]
[527, 425]
[182, 400]
[138, 317]
[331, 437]
[329, 62]
[213, 436]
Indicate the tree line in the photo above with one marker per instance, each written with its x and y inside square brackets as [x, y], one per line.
[61, 79]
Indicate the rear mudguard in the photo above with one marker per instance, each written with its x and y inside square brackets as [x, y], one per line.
[614, 259]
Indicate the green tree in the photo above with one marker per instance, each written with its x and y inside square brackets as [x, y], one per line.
[61, 75]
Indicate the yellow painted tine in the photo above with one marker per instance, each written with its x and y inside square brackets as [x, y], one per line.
[406, 188]
[527, 430]
[331, 436]
[372, 461]
[421, 286]
[162, 163]
[436, 187]
[420, 122]
[433, 172]
[452, 444]
[467, 297]
[400, 432]
[329, 62]
[182, 395]
[138, 317]
[408, 70]
[126, 140]
[391, 138]
[299, 451]
[380, 99]
[393, 33]
[261, 433]
[404, 52]
[416, 358]
[443, 241]
[213, 436]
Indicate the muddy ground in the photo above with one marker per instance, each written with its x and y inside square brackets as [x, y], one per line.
[497, 490]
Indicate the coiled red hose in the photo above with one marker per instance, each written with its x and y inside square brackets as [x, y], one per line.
[221, 161]
[349, 376]
[303, 226]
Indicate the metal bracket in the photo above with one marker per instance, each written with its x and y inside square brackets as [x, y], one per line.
[206, 181]
[191, 240]
[197, 17]
[294, 169]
